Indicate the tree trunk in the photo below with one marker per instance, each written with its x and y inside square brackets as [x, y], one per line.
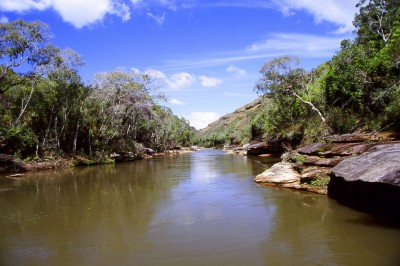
[75, 137]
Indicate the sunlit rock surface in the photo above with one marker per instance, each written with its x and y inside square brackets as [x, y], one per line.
[279, 173]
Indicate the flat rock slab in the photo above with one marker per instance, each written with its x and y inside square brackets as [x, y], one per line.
[335, 149]
[279, 173]
[380, 165]
[318, 161]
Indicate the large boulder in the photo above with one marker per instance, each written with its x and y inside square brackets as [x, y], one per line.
[279, 173]
[370, 182]
[381, 164]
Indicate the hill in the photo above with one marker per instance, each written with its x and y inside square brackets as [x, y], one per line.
[236, 127]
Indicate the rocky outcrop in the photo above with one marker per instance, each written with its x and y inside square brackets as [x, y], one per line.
[370, 182]
[314, 162]
[381, 164]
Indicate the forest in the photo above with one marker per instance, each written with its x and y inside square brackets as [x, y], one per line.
[46, 107]
[357, 90]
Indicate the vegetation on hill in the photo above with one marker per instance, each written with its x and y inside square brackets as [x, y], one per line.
[358, 90]
[45, 107]
[234, 128]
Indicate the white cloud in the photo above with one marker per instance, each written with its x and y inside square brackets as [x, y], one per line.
[154, 73]
[339, 12]
[303, 45]
[82, 13]
[24, 5]
[176, 102]
[201, 120]
[180, 80]
[135, 70]
[77, 12]
[236, 71]
[4, 19]
[159, 19]
[121, 10]
[135, 2]
[209, 81]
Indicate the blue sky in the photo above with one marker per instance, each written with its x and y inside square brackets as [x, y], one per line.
[205, 54]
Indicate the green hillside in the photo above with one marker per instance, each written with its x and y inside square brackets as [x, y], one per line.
[237, 127]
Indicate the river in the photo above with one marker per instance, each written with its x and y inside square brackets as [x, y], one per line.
[200, 208]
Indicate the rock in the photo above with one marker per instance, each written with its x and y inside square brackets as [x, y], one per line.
[257, 148]
[312, 149]
[314, 172]
[279, 173]
[149, 151]
[370, 182]
[363, 137]
[125, 156]
[9, 165]
[314, 160]
[306, 187]
[335, 149]
[380, 165]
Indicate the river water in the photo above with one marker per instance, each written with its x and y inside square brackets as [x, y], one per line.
[200, 208]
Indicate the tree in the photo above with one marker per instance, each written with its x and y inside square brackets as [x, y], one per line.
[121, 101]
[375, 22]
[24, 42]
[65, 97]
[282, 77]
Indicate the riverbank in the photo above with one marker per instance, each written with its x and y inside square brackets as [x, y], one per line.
[14, 167]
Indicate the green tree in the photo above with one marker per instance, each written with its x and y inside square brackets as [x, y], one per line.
[282, 76]
[24, 42]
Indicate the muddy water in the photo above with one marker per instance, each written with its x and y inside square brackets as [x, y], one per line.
[195, 209]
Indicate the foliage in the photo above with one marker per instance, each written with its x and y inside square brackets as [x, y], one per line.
[24, 42]
[18, 140]
[357, 90]
[321, 182]
[49, 109]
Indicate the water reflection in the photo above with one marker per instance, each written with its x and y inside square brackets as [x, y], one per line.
[195, 209]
